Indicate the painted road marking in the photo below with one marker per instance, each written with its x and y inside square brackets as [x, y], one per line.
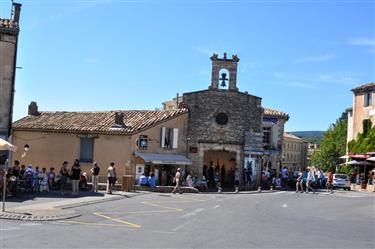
[117, 220]
[90, 223]
[182, 225]
[152, 204]
[217, 206]
[195, 212]
[284, 205]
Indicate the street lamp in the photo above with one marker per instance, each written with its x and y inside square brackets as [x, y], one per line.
[26, 147]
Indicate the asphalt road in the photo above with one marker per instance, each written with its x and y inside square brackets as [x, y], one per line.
[266, 220]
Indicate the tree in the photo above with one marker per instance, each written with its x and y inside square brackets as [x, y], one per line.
[365, 142]
[333, 145]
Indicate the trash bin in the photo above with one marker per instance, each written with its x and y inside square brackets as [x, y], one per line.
[128, 183]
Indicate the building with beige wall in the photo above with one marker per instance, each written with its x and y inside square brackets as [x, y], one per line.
[150, 140]
[295, 152]
[362, 115]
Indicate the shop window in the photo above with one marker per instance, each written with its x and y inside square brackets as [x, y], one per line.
[143, 142]
[86, 150]
[169, 138]
[367, 99]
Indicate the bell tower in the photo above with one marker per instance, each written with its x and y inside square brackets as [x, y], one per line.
[224, 72]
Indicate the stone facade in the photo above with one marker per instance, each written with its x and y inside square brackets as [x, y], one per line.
[220, 118]
[9, 30]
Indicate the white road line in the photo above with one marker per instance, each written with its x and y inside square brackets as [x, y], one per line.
[195, 212]
[284, 205]
[181, 226]
[9, 228]
[217, 206]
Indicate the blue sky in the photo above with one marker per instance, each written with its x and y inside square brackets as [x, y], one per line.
[301, 57]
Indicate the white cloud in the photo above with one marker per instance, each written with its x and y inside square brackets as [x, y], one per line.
[364, 41]
[92, 60]
[205, 51]
[318, 58]
[279, 75]
[301, 85]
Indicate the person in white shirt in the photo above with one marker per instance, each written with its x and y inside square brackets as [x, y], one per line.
[309, 181]
[177, 180]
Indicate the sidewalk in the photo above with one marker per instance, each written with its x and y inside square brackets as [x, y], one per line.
[46, 210]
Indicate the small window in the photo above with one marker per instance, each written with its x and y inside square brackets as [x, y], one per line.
[169, 138]
[366, 125]
[266, 136]
[221, 118]
[367, 99]
[143, 142]
[86, 150]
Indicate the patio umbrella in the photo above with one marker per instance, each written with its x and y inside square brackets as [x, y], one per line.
[344, 157]
[371, 159]
[5, 145]
[353, 162]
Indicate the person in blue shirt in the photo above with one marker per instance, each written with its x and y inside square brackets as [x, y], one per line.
[142, 180]
[152, 180]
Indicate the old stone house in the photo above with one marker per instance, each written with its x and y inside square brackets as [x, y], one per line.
[220, 127]
[151, 140]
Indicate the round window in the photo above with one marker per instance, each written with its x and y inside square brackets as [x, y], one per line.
[222, 118]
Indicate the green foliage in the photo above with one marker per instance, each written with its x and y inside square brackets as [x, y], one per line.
[346, 169]
[333, 145]
[365, 142]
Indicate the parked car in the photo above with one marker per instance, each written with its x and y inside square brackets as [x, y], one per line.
[341, 181]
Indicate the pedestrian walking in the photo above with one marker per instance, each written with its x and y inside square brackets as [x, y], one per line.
[95, 175]
[63, 176]
[236, 180]
[112, 177]
[330, 181]
[310, 180]
[75, 175]
[299, 186]
[177, 180]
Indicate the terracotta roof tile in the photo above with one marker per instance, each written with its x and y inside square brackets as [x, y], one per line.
[273, 112]
[367, 86]
[95, 122]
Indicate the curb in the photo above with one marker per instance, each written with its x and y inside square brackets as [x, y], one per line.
[26, 215]
[30, 217]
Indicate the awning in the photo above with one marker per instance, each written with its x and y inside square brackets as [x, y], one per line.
[371, 159]
[163, 158]
[5, 145]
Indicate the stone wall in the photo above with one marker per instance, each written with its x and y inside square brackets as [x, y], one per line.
[244, 113]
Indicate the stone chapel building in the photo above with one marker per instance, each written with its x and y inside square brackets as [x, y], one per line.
[220, 127]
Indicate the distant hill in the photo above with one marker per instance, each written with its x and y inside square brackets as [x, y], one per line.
[315, 137]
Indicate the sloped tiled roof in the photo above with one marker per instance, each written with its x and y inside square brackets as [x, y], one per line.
[368, 86]
[273, 112]
[95, 122]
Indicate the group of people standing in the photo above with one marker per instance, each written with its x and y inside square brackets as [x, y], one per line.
[32, 179]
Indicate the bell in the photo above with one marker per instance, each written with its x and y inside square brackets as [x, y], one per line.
[223, 78]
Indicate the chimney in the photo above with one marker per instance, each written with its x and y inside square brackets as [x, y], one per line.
[16, 12]
[119, 119]
[33, 109]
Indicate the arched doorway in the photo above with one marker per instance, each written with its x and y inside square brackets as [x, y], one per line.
[220, 161]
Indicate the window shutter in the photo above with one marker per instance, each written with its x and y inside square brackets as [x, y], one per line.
[162, 139]
[175, 138]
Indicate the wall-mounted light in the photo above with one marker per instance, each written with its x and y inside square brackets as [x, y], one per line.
[26, 147]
